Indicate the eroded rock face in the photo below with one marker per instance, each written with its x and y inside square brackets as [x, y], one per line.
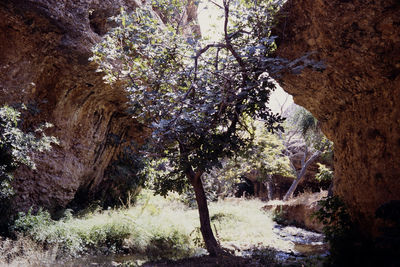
[44, 51]
[357, 96]
[298, 211]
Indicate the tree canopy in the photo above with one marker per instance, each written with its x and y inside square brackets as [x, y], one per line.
[194, 96]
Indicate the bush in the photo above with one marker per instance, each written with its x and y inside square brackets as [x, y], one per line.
[279, 216]
[142, 229]
[175, 245]
[324, 173]
[70, 236]
[338, 230]
[29, 223]
[16, 148]
[348, 246]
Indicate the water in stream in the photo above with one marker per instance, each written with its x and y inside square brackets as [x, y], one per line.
[301, 243]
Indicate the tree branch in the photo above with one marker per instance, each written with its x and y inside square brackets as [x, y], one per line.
[308, 162]
[227, 38]
[213, 2]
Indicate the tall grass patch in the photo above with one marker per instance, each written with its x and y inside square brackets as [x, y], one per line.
[241, 221]
[156, 227]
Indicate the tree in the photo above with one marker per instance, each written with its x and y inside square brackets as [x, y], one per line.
[304, 139]
[263, 159]
[266, 158]
[196, 98]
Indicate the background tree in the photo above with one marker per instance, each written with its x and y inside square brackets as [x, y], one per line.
[263, 159]
[305, 140]
[195, 97]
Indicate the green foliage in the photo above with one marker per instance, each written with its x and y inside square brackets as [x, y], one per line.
[221, 216]
[171, 246]
[71, 240]
[333, 214]
[197, 238]
[304, 140]
[142, 229]
[195, 97]
[266, 155]
[305, 121]
[156, 226]
[171, 11]
[279, 216]
[302, 121]
[29, 222]
[339, 231]
[16, 148]
[324, 173]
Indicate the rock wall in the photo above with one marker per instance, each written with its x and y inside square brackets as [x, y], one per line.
[44, 51]
[298, 211]
[357, 96]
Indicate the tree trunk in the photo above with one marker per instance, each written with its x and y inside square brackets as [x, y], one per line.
[269, 186]
[256, 186]
[292, 188]
[212, 245]
[300, 175]
[330, 189]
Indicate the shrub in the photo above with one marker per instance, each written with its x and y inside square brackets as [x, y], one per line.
[279, 215]
[348, 246]
[337, 229]
[29, 222]
[175, 245]
[324, 173]
[137, 230]
[16, 148]
[71, 236]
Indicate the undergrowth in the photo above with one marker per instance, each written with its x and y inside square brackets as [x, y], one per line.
[156, 227]
[148, 228]
[348, 246]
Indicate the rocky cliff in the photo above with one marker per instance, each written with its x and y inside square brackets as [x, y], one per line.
[44, 51]
[357, 96]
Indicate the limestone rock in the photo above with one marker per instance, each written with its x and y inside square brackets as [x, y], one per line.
[298, 211]
[44, 51]
[357, 96]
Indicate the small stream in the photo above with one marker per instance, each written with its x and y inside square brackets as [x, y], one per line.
[301, 243]
[291, 244]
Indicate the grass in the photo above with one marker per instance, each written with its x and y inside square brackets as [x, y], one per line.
[155, 227]
[242, 222]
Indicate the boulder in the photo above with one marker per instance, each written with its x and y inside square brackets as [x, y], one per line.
[298, 211]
